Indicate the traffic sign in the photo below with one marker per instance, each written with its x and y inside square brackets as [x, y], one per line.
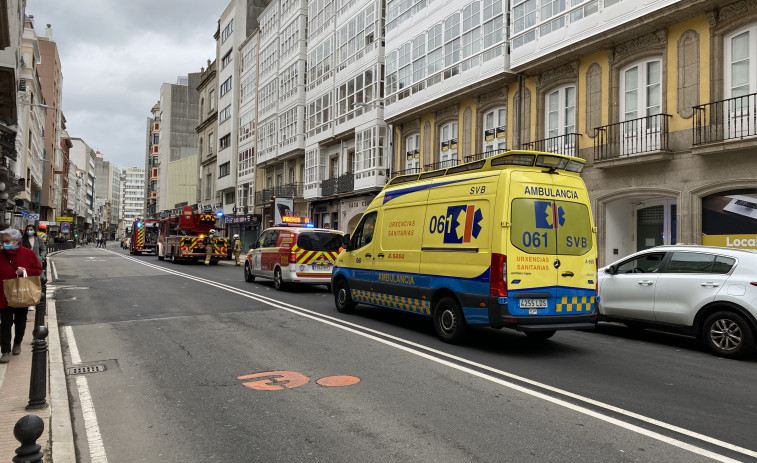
[32, 216]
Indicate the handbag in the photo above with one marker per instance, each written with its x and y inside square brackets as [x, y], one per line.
[22, 291]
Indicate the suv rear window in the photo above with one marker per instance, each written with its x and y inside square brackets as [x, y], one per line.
[319, 241]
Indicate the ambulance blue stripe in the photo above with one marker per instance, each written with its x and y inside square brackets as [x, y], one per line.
[390, 195]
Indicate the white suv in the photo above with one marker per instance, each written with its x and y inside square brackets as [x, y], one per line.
[704, 291]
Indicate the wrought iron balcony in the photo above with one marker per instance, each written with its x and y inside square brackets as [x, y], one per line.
[734, 118]
[441, 165]
[643, 135]
[562, 144]
[333, 186]
[290, 190]
[412, 170]
[484, 155]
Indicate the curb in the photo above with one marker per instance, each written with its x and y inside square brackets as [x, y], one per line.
[62, 447]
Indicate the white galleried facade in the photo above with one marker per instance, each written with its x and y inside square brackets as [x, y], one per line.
[280, 159]
[133, 193]
[243, 224]
[346, 158]
[447, 71]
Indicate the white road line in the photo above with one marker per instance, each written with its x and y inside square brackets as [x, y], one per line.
[54, 272]
[73, 350]
[96, 447]
[362, 331]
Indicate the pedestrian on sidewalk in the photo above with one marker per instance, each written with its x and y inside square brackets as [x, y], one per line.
[33, 241]
[14, 261]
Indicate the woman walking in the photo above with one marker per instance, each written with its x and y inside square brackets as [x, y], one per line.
[14, 261]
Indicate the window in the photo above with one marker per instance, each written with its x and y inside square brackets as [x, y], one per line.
[363, 88]
[226, 60]
[319, 114]
[435, 55]
[471, 42]
[452, 42]
[289, 126]
[247, 89]
[226, 86]
[246, 161]
[320, 14]
[560, 110]
[289, 80]
[211, 142]
[212, 100]
[586, 10]
[357, 36]
[267, 97]
[364, 232]
[289, 39]
[227, 31]
[641, 90]
[225, 114]
[647, 263]
[224, 142]
[208, 185]
[412, 152]
[268, 59]
[448, 144]
[524, 15]
[692, 262]
[495, 129]
[267, 138]
[419, 58]
[369, 150]
[223, 169]
[247, 125]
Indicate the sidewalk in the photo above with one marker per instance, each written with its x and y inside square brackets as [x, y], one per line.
[57, 439]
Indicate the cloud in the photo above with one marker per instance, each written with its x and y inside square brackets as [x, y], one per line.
[115, 55]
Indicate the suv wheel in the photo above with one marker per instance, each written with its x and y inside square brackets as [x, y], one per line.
[728, 334]
[248, 276]
[278, 282]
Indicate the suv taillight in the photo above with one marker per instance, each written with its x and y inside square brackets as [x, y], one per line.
[498, 276]
[292, 257]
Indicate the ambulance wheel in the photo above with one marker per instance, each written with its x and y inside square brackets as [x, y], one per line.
[449, 322]
[540, 335]
[343, 298]
[278, 282]
[248, 276]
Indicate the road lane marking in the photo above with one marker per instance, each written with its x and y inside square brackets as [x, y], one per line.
[54, 272]
[385, 339]
[94, 438]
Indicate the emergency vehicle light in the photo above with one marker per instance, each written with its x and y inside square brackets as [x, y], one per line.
[219, 214]
[309, 225]
[139, 224]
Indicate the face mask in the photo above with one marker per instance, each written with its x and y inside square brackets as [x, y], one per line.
[9, 246]
[30, 232]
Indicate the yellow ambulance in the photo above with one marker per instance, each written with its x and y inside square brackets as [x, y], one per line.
[507, 241]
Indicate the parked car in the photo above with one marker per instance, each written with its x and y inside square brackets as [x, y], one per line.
[293, 255]
[704, 291]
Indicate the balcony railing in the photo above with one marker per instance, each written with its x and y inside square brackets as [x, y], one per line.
[643, 135]
[730, 119]
[412, 170]
[290, 190]
[562, 144]
[441, 165]
[484, 155]
[334, 186]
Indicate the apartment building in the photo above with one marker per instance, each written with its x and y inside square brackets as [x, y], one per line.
[133, 193]
[245, 222]
[280, 160]
[152, 160]
[83, 157]
[659, 98]
[108, 193]
[447, 71]
[51, 81]
[347, 156]
[207, 131]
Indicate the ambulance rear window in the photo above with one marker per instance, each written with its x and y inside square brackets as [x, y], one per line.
[319, 241]
[542, 226]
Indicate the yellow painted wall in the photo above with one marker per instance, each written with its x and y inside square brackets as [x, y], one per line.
[699, 25]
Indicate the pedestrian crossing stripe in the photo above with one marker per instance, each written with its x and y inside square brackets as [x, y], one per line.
[408, 304]
[575, 304]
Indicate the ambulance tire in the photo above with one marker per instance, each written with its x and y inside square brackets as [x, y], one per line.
[278, 282]
[449, 322]
[343, 297]
[540, 335]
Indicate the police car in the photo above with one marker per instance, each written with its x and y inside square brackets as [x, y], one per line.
[297, 253]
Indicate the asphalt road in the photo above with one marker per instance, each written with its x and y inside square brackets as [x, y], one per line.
[376, 385]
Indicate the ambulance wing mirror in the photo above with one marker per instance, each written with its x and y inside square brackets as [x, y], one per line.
[346, 242]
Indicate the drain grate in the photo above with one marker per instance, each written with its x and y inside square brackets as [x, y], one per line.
[86, 369]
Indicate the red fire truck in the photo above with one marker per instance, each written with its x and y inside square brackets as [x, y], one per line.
[182, 237]
[144, 237]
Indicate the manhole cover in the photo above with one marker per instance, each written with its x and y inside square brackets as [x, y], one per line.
[86, 369]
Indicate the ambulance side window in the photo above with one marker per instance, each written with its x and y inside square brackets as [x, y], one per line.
[364, 232]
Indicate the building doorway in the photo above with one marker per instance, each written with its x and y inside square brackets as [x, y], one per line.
[656, 224]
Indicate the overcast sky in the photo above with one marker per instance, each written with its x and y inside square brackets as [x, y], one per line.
[115, 55]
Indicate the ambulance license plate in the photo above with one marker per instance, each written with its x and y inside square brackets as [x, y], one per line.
[533, 303]
[326, 268]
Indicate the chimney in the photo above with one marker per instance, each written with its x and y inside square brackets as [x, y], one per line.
[49, 32]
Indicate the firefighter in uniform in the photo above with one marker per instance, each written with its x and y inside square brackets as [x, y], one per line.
[210, 243]
[236, 248]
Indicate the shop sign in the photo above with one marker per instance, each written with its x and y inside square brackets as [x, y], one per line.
[64, 219]
[731, 241]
